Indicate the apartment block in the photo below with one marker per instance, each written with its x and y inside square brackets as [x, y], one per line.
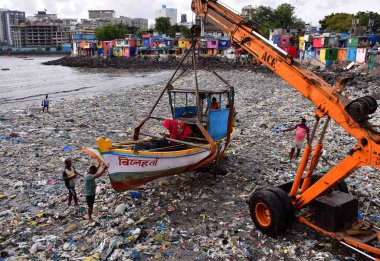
[141, 23]
[122, 20]
[101, 14]
[9, 18]
[167, 12]
[40, 34]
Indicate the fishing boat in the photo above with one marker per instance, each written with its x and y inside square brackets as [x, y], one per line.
[205, 115]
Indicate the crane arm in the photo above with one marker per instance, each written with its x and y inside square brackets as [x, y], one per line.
[352, 116]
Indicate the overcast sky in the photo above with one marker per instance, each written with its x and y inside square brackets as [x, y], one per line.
[308, 10]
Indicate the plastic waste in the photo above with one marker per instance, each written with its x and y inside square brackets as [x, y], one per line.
[120, 209]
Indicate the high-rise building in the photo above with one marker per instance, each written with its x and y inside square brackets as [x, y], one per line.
[167, 12]
[246, 11]
[183, 19]
[9, 18]
[141, 23]
[127, 21]
[40, 34]
[42, 15]
[102, 14]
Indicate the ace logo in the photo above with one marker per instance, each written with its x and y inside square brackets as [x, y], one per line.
[377, 158]
[377, 162]
[269, 59]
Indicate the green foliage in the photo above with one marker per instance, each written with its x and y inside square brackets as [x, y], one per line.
[342, 22]
[339, 22]
[365, 17]
[263, 15]
[132, 29]
[180, 29]
[110, 32]
[282, 17]
[163, 25]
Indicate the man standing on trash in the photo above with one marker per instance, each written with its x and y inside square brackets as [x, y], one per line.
[301, 131]
[69, 174]
[45, 104]
[90, 186]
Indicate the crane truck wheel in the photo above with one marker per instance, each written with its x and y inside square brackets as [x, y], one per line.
[267, 212]
[287, 205]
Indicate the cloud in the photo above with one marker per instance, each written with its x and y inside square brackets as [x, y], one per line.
[308, 10]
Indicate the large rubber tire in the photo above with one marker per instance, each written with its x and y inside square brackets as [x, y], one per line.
[372, 103]
[287, 204]
[267, 212]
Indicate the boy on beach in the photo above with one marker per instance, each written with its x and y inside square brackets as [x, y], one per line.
[45, 104]
[301, 131]
[90, 186]
[69, 174]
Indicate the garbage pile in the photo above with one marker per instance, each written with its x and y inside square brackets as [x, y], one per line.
[362, 81]
[192, 216]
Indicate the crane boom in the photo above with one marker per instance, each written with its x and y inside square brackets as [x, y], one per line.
[328, 100]
[311, 86]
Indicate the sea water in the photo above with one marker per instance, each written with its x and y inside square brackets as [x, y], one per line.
[28, 81]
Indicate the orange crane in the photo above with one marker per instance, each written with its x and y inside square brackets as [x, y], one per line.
[273, 209]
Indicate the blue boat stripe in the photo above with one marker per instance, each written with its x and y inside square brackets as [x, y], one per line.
[151, 156]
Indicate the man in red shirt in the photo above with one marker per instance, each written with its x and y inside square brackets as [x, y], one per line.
[214, 104]
[178, 130]
[301, 131]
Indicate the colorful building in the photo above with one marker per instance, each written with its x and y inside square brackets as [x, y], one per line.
[125, 47]
[84, 44]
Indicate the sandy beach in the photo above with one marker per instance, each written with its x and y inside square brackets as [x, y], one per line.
[193, 216]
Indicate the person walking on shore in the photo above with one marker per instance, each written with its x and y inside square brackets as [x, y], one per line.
[69, 174]
[90, 187]
[45, 104]
[301, 131]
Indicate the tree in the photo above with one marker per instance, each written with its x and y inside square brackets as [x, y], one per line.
[285, 15]
[263, 15]
[110, 32]
[163, 25]
[132, 29]
[339, 22]
[185, 31]
[281, 17]
[369, 19]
